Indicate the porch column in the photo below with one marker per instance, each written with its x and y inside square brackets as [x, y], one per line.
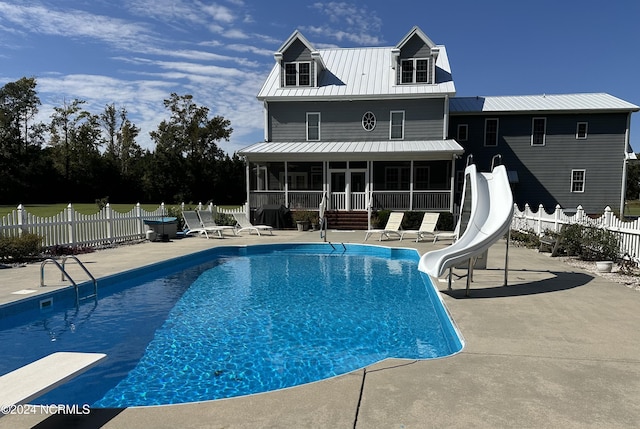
[452, 186]
[248, 176]
[411, 186]
[286, 184]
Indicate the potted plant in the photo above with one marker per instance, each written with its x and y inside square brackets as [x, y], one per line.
[301, 218]
[314, 220]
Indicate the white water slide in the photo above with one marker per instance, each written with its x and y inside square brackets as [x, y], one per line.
[488, 220]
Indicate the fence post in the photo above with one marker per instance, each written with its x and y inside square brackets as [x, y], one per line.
[21, 220]
[540, 210]
[71, 219]
[138, 215]
[556, 216]
[580, 215]
[109, 223]
[607, 217]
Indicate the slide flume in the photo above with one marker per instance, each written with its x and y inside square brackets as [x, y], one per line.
[489, 220]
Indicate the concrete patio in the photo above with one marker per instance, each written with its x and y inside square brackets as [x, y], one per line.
[557, 347]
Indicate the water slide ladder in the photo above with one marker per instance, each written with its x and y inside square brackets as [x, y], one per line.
[65, 274]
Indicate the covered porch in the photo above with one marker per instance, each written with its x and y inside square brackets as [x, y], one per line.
[354, 176]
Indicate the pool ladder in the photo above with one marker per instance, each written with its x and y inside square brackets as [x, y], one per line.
[65, 274]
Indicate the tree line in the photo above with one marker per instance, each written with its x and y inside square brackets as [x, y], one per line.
[80, 156]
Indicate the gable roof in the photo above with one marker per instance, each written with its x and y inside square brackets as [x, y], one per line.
[296, 35]
[415, 31]
[540, 103]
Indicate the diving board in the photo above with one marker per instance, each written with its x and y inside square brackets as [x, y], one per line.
[39, 377]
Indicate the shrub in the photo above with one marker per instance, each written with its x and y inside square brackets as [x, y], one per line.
[527, 239]
[20, 249]
[590, 243]
[379, 219]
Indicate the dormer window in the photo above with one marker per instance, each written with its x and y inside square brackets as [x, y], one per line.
[297, 74]
[415, 70]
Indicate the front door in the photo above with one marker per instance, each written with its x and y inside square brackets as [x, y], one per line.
[348, 189]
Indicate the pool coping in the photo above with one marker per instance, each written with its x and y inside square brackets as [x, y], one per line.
[555, 348]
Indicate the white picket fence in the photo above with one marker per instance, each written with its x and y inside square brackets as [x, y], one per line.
[540, 221]
[71, 228]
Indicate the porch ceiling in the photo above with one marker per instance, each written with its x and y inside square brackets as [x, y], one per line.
[353, 151]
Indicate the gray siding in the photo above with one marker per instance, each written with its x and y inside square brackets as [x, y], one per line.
[342, 120]
[544, 172]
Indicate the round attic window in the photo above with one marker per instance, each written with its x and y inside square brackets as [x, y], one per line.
[368, 121]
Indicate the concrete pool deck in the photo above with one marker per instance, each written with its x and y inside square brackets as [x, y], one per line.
[557, 347]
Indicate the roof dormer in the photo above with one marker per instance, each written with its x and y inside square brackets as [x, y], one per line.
[414, 59]
[300, 63]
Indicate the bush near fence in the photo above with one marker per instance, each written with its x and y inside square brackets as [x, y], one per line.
[627, 233]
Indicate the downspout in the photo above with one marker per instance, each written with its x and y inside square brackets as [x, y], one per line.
[623, 193]
[445, 123]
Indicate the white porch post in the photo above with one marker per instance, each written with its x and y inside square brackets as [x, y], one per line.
[248, 175]
[286, 184]
[452, 187]
[411, 178]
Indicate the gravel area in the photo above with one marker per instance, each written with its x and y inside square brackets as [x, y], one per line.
[629, 278]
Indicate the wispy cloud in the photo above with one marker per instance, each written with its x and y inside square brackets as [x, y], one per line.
[347, 22]
[75, 24]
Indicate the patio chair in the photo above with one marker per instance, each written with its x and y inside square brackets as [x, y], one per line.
[194, 225]
[447, 235]
[207, 221]
[393, 226]
[245, 225]
[427, 227]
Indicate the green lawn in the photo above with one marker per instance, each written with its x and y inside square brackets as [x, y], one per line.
[46, 210]
[633, 208]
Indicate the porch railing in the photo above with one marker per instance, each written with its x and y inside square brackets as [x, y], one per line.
[389, 200]
[401, 200]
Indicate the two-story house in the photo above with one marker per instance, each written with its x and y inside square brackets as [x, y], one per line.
[380, 128]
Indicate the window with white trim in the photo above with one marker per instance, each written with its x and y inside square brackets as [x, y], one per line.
[297, 74]
[414, 70]
[577, 180]
[313, 126]
[491, 132]
[581, 130]
[396, 125]
[463, 132]
[538, 131]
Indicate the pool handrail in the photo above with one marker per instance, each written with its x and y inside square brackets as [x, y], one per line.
[64, 274]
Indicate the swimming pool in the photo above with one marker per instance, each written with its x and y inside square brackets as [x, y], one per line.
[234, 321]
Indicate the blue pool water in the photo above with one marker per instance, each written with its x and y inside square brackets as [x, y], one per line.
[238, 321]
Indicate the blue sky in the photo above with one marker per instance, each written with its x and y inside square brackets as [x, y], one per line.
[135, 53]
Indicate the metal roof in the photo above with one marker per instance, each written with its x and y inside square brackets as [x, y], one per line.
[354, 150]
[359, 73]
[539, 103]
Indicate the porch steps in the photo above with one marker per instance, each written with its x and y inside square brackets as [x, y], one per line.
[346, 220]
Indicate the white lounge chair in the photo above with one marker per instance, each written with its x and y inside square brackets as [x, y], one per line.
[207, 221]
[447, 235]
[427, 227]
[245, 225]
[393, 226]
[194, 225]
